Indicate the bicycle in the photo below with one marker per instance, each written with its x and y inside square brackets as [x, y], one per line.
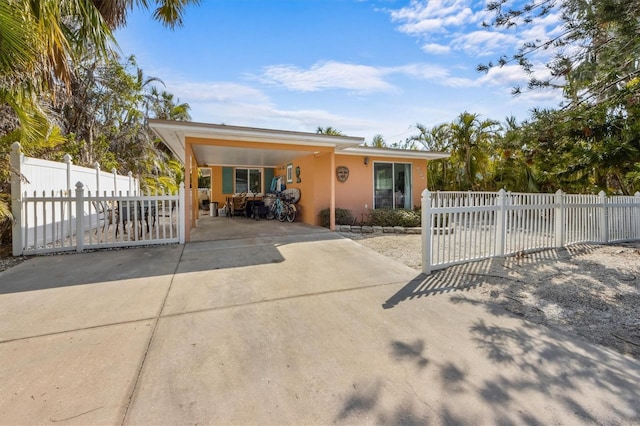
[292, 211]
[282, 209]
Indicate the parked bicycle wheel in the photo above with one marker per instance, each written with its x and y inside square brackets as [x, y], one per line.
[282, 212]
[291, 212]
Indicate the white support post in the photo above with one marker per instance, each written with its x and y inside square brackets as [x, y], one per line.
[427, 232]
[182, 212]
[332, 191]
[604, 218]
[67, 160]
[130, 174]
[16, 160]
[79, 216]
[636, 233]
[96, 166]
[560, 218]
[115, 180]
[501, 223]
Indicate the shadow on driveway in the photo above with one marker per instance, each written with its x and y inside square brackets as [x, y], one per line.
[100, 266]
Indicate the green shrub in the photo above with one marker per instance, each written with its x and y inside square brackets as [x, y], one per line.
[395, 217]
[343, 217]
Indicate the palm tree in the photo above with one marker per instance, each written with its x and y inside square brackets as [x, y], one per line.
[436, 138]
[328, 131]
[168, 12]
[378, 141]
[163, 106]
[471, 139]
[43, 39]
[38, 47]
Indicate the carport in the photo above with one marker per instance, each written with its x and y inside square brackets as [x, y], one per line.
[218, 146]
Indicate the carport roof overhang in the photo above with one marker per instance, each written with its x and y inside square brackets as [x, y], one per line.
[265, 147]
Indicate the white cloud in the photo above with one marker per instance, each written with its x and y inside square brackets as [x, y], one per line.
[426, 19]
[420, 10]
[435, 48]
[454, 25]
[422, 26]
[483, 43]
[335, 75]
[506, 76]
[243, 105]
[421, 71]
[270, 116]
[544, 97]
[328, 75]
[219, 92]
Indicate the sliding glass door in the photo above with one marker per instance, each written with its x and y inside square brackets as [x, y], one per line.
[392, 185]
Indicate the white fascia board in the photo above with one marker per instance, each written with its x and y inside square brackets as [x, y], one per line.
[173, 141]
[399, 153]
[250, 134]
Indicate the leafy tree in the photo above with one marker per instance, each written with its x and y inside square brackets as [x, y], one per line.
[512, 160]
[588, 150]
[593, 54]
[42, 42]
[105, 115]
[590, 142]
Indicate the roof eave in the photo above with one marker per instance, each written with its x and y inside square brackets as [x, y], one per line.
[399, 153]
[250, 134]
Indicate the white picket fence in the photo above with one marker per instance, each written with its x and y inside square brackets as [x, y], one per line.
[469, 226]
[115, 214]
[54, 223]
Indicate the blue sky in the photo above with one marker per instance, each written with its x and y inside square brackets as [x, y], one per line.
[363, 67]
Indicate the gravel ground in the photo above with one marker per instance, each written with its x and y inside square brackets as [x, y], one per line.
[592, 291]
[6, 260]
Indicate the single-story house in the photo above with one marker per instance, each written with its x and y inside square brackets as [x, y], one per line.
[330, 171]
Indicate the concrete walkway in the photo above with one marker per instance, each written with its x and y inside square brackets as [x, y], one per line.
[294, 328]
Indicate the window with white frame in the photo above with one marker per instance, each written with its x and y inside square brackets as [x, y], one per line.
[392, 185]
[289, 173]
[248, 180]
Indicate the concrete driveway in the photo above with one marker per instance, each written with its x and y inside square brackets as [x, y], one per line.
[296, 328]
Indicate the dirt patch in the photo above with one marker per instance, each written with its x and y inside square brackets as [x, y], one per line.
[592, 291]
